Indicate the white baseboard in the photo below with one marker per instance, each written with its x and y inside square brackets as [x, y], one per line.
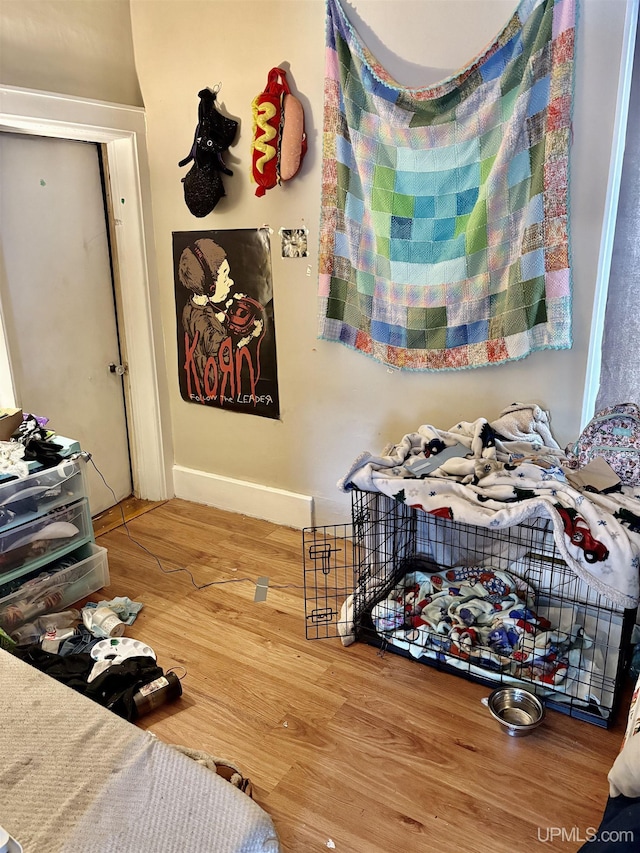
[275, 505]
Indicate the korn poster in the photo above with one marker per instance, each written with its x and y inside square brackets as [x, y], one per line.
[224, 319]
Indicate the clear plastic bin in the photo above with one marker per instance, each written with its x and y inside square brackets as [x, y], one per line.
[26, 499]
[56, 588]
[31, 545]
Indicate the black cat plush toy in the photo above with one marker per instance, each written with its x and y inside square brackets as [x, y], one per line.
[215, 132]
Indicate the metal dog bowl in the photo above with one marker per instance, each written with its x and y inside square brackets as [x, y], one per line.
[517, 711]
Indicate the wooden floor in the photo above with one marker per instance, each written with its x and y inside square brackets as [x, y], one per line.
[124, 511]
[344, 747]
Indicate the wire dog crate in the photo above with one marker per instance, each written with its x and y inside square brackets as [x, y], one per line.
[498, 606]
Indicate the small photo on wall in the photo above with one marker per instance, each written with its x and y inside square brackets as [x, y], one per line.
[224, 320]
[294, 242]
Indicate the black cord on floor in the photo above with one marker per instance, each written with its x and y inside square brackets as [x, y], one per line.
[89, 458]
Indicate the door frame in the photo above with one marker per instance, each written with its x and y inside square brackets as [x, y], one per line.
[121, 130]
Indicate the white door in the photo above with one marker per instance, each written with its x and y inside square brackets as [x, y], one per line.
[58, 301]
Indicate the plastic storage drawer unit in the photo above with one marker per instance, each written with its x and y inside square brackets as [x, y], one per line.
[56, 588]
[23, 500]
[31, 545]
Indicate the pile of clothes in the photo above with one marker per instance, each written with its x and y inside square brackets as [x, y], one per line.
[76, 648]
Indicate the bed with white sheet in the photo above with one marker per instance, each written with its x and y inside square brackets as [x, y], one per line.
[75, 777]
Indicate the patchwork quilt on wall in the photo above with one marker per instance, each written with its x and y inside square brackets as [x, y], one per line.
[444, 237]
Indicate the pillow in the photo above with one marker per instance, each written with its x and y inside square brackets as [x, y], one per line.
[624, 776]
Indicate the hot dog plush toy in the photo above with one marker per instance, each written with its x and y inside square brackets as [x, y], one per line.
[279, 141]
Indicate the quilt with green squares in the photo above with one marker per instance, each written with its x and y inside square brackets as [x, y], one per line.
[444, 238]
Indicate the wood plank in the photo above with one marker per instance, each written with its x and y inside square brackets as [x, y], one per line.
[127, 509]
[372, 751]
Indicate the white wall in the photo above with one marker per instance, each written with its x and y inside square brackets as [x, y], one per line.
[336, 402]
[71, 47]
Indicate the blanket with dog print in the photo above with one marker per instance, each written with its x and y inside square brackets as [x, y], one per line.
[514, 472]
